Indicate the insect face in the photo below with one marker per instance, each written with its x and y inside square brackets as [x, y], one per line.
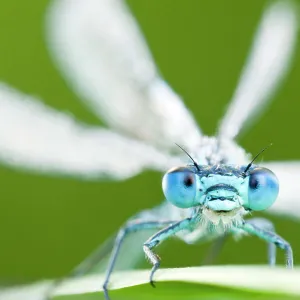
[221, 188]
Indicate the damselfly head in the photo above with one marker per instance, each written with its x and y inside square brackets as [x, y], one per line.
[221, 188]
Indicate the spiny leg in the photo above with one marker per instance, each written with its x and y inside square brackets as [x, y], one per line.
[159, 237]
[132, 226]
[265, 224]
[271, 237]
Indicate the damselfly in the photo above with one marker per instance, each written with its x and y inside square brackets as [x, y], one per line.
[101, 52]
[212, 195]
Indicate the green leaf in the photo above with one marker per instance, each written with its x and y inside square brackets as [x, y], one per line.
[208, 282]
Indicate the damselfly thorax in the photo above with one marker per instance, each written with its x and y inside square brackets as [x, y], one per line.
[215, 151]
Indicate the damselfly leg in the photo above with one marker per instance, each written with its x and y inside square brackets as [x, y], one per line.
[132, 226]
[271, 237]
[217, 245]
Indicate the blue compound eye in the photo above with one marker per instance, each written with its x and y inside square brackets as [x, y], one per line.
[263, 189]
[180, 186]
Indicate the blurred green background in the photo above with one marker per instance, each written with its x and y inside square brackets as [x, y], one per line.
[47, 224]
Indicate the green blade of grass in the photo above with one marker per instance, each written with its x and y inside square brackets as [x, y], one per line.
[181, 291]
[239, 282]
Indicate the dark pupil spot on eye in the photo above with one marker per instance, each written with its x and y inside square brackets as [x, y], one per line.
[253, 182]
[188, 180]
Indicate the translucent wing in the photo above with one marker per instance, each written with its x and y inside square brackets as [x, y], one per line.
[288, 174]
[36, 137]
[98, 47]
[268, 62]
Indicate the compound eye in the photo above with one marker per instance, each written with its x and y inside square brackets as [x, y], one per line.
[180, 186]
[263, 189]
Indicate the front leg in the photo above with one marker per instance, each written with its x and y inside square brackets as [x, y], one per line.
[271, 237]
[131, 226]
[161, 236]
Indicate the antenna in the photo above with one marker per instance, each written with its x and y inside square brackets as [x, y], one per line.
[195, 164]
[255, 157]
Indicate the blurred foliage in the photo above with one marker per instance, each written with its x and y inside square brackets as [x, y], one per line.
[48, 225]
